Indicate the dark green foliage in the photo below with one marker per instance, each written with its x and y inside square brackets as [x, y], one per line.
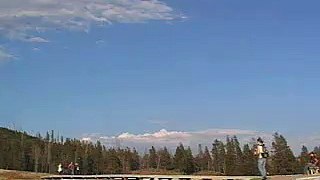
[203, 159]
[153, 158]
[303, 158]
[207, 160]
[189, 165]
[183, 160]
[239, 157]
[249, 166]
[179, 158]
[165, 159]
[20, 151]
[218, 157]
[16, 150]
[134, 160]
[234, 157]
[113, 163]
[199, 158]
[145, 161]
[230, 157]
[283, 159]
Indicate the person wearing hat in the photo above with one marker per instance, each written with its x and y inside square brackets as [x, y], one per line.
[313, 165]
[262, 154]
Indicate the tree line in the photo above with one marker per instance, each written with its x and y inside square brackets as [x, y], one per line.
[20, 151]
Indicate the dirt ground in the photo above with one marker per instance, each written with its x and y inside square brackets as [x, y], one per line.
[290, 177]
[18, 175]
[294, 177]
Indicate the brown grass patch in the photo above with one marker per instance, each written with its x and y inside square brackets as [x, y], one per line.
[19, 175]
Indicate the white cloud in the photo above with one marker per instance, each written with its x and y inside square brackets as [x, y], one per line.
[26, 20]
[172, 138]
[37, 40]
[36, 49]
[4, 55]
[100, 41]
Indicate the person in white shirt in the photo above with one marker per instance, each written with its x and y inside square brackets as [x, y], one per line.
[60, 168]
[262, 158]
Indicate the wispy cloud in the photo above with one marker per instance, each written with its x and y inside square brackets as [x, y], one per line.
[35, 49]
[37, 40]
[100, 41]
[26, 20]
[4, 55]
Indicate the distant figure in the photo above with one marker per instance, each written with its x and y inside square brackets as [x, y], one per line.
[60, 170]
[313, 159]
[262, 153]
[77, 168]
[71, 168]
[65, 168]
[313, 165]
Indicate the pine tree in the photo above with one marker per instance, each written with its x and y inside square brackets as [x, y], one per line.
[249, 162]
[22, 153]
[85, 162]
[239, 157]
[165, 159]
[122, 156]
[153, 158]
[199, 158]
[203, 159]
[145, 161]
[283, 160]
[188, 166]
[230, 157]
[207, 159]
[179, 157]
[215, 156]
[134, 160]
[304, 158]
[15, 151]
[97, 155]
[218, 156]
[36, 155]
[113, 164]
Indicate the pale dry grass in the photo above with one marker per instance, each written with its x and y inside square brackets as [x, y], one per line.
[19, 175]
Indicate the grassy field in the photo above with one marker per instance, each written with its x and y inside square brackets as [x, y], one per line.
[19, 175]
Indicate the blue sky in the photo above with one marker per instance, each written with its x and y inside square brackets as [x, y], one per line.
[179, 65]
